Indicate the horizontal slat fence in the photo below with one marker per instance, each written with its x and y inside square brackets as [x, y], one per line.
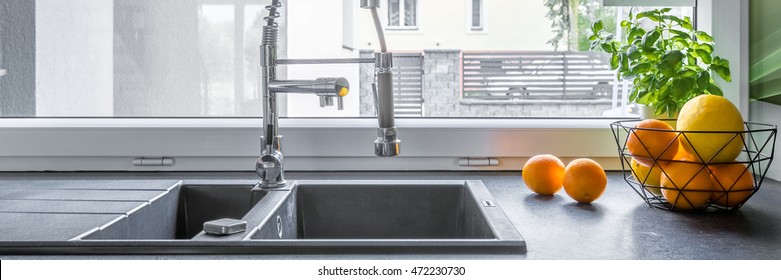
[408, 84]
[537, 76]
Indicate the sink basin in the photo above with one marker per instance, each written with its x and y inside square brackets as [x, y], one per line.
[181, 212]
[382, 216]
[308, 217]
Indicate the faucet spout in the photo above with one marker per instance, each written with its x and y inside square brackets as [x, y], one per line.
[387, 143]
[270, 165]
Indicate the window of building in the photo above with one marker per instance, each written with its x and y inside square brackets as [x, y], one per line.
[476, 15]
[402, 13]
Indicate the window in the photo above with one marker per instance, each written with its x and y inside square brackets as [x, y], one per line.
[476, 15]
[131, 58]
[189, 71]
[402, 14]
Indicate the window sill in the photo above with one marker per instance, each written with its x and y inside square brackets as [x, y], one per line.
[309, 144]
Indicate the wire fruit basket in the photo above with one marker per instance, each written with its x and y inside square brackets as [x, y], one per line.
[685, 192]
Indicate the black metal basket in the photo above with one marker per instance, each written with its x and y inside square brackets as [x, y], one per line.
[757, 153]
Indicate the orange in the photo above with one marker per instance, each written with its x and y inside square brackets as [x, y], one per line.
[732, 184]
[708, 114]
[543, 174]
[686, 185]
[649, 142]
[584, 180]
[682, 154]
[647, 176]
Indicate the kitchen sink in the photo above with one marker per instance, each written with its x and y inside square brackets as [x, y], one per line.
[181, 212]
[307, 217]
[381, 216]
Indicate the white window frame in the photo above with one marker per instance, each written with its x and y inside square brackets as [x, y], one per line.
[401, 27]
[111, 144]
[309, 144]
[469, 19]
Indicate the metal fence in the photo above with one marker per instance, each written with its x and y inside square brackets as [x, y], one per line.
[537, 76]
[408, 84]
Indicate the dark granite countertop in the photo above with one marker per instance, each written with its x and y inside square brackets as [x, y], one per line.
[58, 206]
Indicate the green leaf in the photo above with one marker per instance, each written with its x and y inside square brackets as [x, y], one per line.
[624, 60]
[715, 90]
[703, 80]
[634, 53]
[608, 47]
[705, 56]
[685, 74]
[650, 38]
[644, 97]
[666, 10]
[640, 68]
[723, 72]
[614, 61]
[702, 36]
[687, 24]
[720, 61]
[682, 87]
[597, 26]
[633, 95]
[654, 17]
[691, 60]
[671, 107]
[671, 18]
[625, 23]
[679, 33]
[634, 33]
[671, 62]
[705, 47]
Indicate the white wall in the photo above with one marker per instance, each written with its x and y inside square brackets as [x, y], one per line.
[727, 21]
[443, 24]
[766, 113]
[315, 31]
[74, 58]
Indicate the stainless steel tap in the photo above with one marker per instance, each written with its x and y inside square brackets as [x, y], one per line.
[270, 165]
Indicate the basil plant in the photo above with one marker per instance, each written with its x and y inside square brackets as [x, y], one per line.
[669, 62]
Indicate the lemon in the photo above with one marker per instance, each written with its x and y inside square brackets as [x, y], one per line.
[711, 113]
[648, 176]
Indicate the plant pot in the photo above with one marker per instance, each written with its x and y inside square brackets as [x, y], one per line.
[648, 112]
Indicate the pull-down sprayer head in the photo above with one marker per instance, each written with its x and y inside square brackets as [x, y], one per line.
[387, 143]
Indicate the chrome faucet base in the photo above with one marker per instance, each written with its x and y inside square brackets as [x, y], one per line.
[387, 143]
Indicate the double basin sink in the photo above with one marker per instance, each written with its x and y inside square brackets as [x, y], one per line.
[310, 217]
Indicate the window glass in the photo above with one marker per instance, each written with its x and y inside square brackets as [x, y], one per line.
[149, 58]
[216, 25]
[393, 12]
[476, 10]
[410, 12]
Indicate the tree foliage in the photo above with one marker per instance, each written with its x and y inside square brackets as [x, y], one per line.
[571, 21]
